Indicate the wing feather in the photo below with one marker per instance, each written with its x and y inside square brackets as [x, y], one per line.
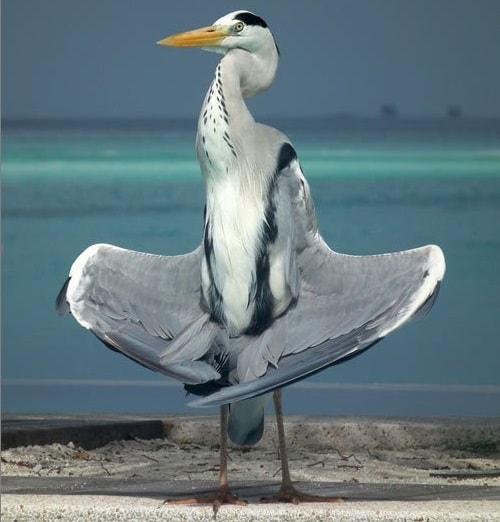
[346, 304]
[145, 306]
[150, 308]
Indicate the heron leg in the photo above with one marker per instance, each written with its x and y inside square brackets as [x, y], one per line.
[222, 495]
[287, 492]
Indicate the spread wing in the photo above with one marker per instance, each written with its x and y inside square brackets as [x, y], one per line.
[146, 306]
[150, 308]
[345, 305]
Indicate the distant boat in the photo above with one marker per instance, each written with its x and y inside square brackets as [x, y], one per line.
[454, 112]
[388, 110]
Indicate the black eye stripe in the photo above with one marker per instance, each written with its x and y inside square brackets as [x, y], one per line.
[250, 19]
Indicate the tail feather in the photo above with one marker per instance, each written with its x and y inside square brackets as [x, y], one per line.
[246, 420]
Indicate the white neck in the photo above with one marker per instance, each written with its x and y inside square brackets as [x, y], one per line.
[225, 121]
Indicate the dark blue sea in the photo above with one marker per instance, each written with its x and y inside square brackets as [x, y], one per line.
[379, 186]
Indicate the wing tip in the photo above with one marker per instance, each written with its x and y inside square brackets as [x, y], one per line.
[61, 304]
[437, 262]
[427, 304]
[433, 276]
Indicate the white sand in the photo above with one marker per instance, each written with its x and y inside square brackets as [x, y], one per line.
[190, 453]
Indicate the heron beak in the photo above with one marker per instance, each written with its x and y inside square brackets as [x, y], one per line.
[202, 37]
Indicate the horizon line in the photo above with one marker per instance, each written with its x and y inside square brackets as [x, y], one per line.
[363, 387]
[187, 117]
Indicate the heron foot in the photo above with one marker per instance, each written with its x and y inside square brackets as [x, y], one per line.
[221, 497]
[288, 494]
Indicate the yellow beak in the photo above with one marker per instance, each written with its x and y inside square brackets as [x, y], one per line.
[202, 37]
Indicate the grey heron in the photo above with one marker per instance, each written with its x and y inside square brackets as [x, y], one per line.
[263, 301]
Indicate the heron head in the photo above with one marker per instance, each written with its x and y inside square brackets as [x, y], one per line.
[236, 30]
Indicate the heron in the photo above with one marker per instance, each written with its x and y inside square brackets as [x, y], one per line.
[263, 301]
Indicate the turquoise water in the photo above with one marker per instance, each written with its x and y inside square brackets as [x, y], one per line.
[147, 150]
[378, 186]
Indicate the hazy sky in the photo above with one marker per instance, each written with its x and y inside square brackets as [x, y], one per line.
[98, 58]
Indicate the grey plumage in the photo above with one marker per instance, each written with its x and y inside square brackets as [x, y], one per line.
[151, 309]
[263, 301]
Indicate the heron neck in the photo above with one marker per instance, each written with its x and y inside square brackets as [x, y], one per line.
[231, 83]
[244, 74]
[224, 122]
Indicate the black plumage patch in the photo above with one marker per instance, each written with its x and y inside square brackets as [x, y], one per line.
[286, 155]
[263, 311]
[207, 240]
[250, 19]
[202, 390]
[214, 296]
[220, 361]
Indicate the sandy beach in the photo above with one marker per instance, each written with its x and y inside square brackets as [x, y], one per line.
[385, 468]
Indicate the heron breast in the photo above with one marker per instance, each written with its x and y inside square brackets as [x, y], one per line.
[237, 265]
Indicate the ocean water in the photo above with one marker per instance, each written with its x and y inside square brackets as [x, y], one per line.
[378, 186]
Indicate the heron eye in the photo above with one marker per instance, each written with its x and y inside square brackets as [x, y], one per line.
[239, 26]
